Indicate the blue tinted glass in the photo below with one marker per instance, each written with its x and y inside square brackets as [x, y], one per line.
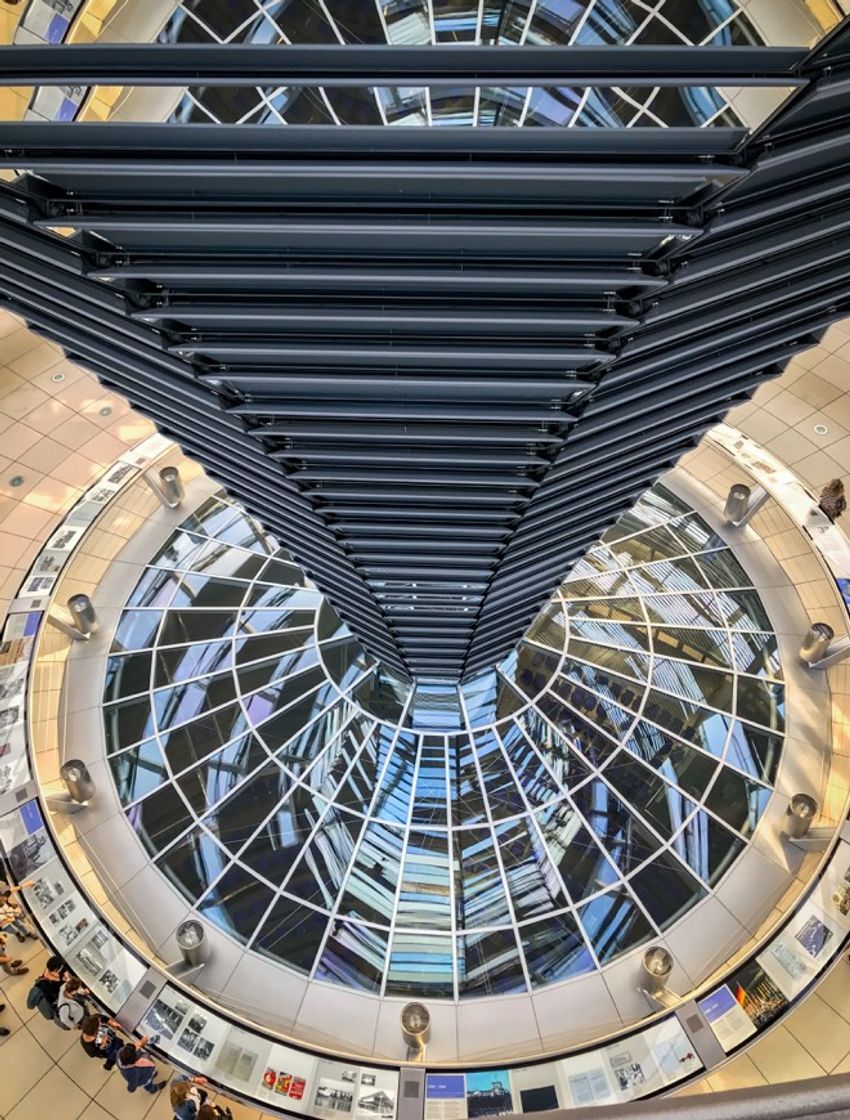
[436, 841]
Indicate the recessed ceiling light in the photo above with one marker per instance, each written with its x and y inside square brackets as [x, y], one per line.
[821, 430]
[16, 480]
[106, 410]
[57, 377]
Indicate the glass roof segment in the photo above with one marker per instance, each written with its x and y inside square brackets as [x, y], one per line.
[435, 840]
[423, 22]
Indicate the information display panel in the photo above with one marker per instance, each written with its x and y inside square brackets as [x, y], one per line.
[646, 1062]
[267, 1071]
[759, 991]
[61, 911]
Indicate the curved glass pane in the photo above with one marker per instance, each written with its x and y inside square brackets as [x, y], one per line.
[524, 827]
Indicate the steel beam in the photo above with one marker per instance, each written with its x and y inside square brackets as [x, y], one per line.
[120, 143]
[398, 390]
[356, 65]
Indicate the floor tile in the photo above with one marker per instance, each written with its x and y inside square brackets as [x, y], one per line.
[790, 408]
[696, 1089]
[24, 1064]
[115, 1098]
[821, 1030]
[49, 416]
[780, 1057]
[161, 1107]
[93, 1111]
[834, 988]
[54, 1040]
[740, 1073]
[22, 401]
[790, 446]
[87, 1073]
[9, 1018]
[54, 1095]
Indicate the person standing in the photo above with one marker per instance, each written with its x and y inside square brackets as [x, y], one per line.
[71, 1006]
[12, 917]
[10, 965]
[99, 1040]
[45, 991]
[137, 1069]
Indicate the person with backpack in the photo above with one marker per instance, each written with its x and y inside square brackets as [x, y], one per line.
[99, 1040]
[187, 1096]
[44, 994]
[7, 963]
[71, 1006]
[137, 1069]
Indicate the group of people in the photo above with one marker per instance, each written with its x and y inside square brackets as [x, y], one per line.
[60, 996]
[12, 922]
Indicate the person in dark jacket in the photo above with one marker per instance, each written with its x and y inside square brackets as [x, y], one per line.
[51, 980]
[137, 1069]
[99, 1040]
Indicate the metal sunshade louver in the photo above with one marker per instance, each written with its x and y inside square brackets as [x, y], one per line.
[435, 357]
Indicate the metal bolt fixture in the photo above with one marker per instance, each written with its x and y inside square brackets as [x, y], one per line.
[172, 486]
[742, 503]
[84, 615]
[168, 485]
[737, 501]
[415, 1028]
[78, 781]
[802, 810]
[815, 644]
[192, 943]
[656, 966]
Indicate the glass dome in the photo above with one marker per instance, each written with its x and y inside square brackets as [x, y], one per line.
[436, 841]
[418, 22]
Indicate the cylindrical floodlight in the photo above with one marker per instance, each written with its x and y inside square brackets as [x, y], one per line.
[656, 966]
[78, 781]
[737, 501]
[192, 942]
[171, 485]
[815, 644]
[802, 810]
[415, 1025]
[84, 615]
